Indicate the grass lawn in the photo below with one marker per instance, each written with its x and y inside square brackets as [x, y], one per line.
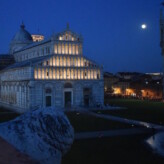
[114, 150]
[139, 110]
[80, 122]
[83, 122]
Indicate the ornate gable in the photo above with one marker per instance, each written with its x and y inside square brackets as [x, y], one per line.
[68, 35]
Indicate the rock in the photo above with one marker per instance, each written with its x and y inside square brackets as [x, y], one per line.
[44, 134]
[156, 142]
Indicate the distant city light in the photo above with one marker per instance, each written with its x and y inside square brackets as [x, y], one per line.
[143, 26]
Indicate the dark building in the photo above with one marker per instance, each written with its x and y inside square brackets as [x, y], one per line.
[6, 60]
[133, 84]
[109, 80]
[128, 75]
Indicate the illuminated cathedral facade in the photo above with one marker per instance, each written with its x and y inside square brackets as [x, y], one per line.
[50, 72]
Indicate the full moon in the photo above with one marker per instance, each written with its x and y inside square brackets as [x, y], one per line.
[143, 26]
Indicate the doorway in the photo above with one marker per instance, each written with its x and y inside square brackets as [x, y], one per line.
[48, 101]
[68, 95]
[48, 97]
[86, 100]
[87, 95]
[68, 98]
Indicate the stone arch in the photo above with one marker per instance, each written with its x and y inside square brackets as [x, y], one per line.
[48, 90]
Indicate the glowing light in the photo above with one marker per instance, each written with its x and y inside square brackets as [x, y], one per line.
[117, 90]
[45, 73]
[143, 26]
[37, 38]
[130, 92]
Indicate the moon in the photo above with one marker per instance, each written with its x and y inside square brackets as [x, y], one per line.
[144, 26]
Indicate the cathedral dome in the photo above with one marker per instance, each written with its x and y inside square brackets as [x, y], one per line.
[22, 35]
[21, 39]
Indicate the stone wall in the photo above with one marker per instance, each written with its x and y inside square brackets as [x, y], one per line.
[34, 52]
[38, 92]
[15, 95]
[24, 73]
[25, 95]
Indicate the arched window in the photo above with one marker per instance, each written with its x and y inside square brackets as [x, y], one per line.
[48, 90]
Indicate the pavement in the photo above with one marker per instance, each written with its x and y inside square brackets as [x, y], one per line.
[111, 133]
[144, 127]
[128, 121]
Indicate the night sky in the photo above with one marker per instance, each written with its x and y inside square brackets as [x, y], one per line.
[111, 28]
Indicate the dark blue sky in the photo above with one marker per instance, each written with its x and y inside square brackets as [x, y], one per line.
[110, 28]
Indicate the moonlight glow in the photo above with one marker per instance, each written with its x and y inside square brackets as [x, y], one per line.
[143, 26]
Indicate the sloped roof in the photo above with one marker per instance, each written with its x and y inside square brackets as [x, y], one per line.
[22, 35]
[32, 61]
[34, 44]
[27, 62]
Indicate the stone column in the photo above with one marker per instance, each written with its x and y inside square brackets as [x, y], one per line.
[51, 73]
[59, 61]
[71, 49]
[51, 61]
[37, 72]
[31, 93]
[63, 48]
[54, 61]
[73, 61]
